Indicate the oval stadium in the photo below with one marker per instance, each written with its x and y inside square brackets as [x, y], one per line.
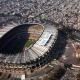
[29, 47]
[26, 43]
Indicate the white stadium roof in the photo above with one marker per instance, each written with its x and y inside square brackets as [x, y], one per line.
[43, 40]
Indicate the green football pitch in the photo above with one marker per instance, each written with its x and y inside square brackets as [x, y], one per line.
[29, 42]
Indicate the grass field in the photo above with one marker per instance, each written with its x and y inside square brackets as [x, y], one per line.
[29, 42]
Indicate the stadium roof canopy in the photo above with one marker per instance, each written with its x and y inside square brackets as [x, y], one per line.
[44, 39]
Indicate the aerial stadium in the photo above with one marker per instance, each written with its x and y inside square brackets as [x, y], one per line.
[26, 43]
[29, 46]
